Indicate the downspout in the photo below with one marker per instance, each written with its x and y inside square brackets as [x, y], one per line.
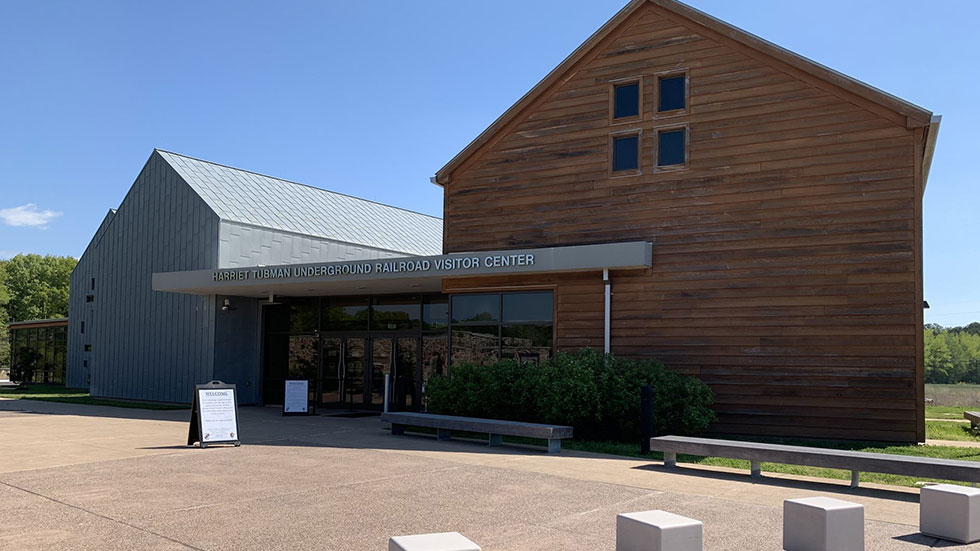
[605, 337]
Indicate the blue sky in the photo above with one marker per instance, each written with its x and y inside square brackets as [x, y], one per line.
[371, 98]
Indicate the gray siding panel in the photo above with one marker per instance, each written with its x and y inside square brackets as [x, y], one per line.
[146, 345]
[237, 345]
[245, 245]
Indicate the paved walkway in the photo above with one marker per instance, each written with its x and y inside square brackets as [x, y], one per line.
[90, 477]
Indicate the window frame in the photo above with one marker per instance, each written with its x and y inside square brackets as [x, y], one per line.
[686, 73]
[613, 84]
[687, 147]
[627, 133]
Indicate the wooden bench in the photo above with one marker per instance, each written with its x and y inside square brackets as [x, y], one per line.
[973, 417]
[444, 424]
[756, 453]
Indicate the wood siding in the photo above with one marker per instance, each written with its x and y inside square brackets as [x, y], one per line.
[787, 256]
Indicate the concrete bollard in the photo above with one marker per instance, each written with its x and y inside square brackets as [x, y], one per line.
[443, 541]
[822, 524]
[657, 531]
[950, 512]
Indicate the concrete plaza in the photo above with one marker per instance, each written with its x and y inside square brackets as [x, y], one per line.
[90, 477]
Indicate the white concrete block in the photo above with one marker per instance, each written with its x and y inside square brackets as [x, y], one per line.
[822, 524]
[950, 512]
[657, 531]
[444, 541]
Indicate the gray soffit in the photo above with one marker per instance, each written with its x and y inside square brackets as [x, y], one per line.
[248, 198]
[401, 275]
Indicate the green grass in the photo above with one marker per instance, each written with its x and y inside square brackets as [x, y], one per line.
[57, 393]
[946, 412]
[945, 430]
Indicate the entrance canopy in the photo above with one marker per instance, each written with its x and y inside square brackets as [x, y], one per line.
[399, 275]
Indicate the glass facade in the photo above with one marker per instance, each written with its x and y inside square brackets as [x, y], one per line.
[346, 346]
[44, 348]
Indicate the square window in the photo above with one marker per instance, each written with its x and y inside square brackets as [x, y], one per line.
[670, 151]
[89, 298]
[672, 93]
[626, 153]
[626, 100]
[88, 347]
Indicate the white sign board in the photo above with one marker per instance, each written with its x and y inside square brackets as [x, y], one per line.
[296, 399]
[219, 416]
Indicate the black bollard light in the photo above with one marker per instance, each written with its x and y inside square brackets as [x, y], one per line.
[646, 418]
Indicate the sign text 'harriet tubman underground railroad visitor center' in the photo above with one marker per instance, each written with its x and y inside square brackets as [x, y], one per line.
[675, 189]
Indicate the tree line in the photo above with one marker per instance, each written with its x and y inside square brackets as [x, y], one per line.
[32, 287]
[952, 354]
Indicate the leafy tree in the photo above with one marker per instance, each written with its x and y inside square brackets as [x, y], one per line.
[952, 355]
[938, 359]
[38, 286]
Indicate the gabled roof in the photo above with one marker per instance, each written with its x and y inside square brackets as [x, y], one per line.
[913, 115]
[248, 198]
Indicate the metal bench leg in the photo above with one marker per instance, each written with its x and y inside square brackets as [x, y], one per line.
[855, 478]
[670, 459]
[756, 468]
[443, 434]
[397, 429]
[554, 445]
[496, 439]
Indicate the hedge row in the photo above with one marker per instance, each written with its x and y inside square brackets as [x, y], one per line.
[597, 394]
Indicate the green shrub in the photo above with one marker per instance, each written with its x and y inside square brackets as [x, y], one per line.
[599, 395]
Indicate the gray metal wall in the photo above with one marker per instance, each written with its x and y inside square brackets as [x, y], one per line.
[237, 346]
[244, 245]
[146, 345]
[77, 372]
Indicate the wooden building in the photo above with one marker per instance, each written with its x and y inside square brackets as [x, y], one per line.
[783, 201]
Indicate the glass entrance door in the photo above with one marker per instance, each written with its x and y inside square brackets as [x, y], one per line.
[342, 372]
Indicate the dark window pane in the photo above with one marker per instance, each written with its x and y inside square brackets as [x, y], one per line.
[672, 93]
[391, 313]
[345, 314]
[527, 343]
[435, 357]
[626, 155]
[476, 308]
[671, 148]
[297, 316]
[626, 101]
[528, 307]
[477, 344]
[435, 312]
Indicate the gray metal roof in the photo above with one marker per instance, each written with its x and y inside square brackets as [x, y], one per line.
[248, 198]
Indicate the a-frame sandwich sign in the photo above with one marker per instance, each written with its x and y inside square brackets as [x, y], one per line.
[214, 416]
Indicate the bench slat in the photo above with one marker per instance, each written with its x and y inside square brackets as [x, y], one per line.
[929, 467]
[473, 424]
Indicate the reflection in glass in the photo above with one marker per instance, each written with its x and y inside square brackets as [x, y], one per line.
[380, 366]
[302, 357]
[476, 308]
[354, 372]
[394, 313]
[527, 343]
[435, 312]
[406, 365]
[345, 314]
[330, 382]
[477, 344]
[528, 307]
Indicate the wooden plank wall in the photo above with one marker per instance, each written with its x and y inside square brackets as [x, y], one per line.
[785, 270]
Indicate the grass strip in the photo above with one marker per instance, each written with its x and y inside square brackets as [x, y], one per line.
[56, 393]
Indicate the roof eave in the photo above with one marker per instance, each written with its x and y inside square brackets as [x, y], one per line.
[932, 134]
